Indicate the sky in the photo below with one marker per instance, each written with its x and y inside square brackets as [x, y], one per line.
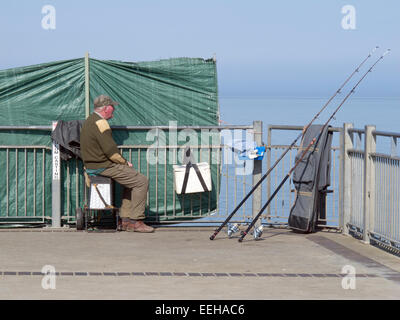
[263, 48]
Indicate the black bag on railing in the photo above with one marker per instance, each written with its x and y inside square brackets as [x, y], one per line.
[67, 135]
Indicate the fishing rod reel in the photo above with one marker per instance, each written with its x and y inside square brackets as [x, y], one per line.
[258, 232]
[232, 229]
[235, 228]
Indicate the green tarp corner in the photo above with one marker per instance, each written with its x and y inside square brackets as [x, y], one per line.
[182, 90]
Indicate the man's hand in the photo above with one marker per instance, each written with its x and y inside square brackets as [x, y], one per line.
[129, 164]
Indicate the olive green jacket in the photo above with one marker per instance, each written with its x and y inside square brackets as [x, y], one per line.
[98, 148]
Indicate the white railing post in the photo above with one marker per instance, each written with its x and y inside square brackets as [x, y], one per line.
[257, 171]
[369, 182]
[269, 157]
[346, 144]
[56, 185]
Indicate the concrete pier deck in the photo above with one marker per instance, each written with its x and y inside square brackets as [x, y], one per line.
[182, 263]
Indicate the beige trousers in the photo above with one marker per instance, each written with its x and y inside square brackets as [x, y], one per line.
[135, 190]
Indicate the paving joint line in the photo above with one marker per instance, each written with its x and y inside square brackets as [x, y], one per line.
[192, 274]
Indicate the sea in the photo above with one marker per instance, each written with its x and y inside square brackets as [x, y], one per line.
[383, 112]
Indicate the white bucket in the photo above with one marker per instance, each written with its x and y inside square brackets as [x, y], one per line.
[95, 200]
[193, 184]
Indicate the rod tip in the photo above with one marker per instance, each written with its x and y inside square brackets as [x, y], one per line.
[387, 51]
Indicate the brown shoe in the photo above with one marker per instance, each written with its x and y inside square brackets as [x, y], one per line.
[138, 226]
[123, 225]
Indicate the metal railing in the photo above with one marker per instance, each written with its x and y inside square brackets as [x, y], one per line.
[24, 199]
[61, 182]
[371, 193]
[25, 178]
[365, 201]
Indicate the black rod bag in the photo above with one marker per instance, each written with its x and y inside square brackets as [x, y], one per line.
[311, 179]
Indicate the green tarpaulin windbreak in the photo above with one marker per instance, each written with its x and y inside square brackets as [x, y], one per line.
[178, 91]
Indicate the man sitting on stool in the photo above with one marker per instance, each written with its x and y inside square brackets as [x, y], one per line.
[101, 156]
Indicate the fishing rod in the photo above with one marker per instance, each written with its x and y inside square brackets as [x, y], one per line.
[244, 233]
[289, 148]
